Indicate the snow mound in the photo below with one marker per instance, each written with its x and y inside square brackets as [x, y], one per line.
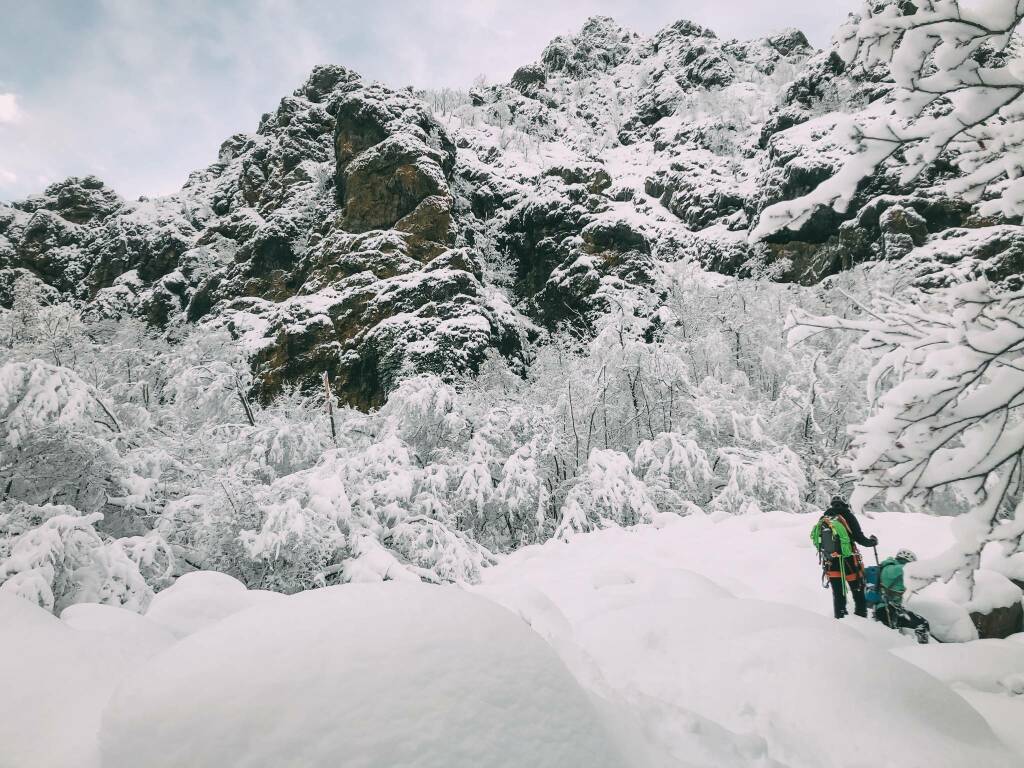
[53, 685]
[992, 590]
[948, 622]
[718, 636]
[202, 598]
[361, 675]
[124, 632]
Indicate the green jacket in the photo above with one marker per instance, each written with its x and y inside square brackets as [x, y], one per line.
[891, 577]
[840, 532]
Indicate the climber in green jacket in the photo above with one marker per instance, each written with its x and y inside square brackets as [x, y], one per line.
[890, 610]
[835, 537]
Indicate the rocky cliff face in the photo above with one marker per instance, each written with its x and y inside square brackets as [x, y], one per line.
[368, 232]
[326, 241]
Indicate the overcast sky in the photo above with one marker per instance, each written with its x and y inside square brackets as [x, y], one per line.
[142, 92]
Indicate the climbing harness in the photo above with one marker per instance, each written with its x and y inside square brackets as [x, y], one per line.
[833, 541]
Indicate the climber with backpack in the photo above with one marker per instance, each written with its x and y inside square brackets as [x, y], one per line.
[835, 536]
[890, 609]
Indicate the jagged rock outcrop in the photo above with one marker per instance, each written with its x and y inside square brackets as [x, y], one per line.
[324, 241]
[601, 45]
[79, 236]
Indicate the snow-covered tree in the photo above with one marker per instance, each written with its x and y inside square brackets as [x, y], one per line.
[56, 437]
[475, 488]
[947, 390]
[437, 553]
[303, 519]
[767, 479]
[421, 411]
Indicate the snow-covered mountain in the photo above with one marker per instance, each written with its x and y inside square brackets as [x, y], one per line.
[368, 232]
[580, 360]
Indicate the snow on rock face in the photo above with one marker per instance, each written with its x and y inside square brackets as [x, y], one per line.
[345, 186]
[361, 676]
[348, 185]
[599, 46]
[79, 236]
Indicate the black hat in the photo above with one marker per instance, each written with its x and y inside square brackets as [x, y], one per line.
[837, 503]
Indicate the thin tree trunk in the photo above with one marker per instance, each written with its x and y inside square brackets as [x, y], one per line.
[330, 407]
[245, 404]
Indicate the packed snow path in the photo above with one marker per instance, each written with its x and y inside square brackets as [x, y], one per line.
[697, 641]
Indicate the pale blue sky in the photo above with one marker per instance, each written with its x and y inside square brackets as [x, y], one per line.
[141, 92]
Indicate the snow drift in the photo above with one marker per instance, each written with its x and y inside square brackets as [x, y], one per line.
[361, 675]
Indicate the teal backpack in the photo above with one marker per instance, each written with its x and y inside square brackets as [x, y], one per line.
[873, 584]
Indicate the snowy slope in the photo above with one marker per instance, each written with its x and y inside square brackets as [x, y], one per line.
[722, 624]
[696, 641]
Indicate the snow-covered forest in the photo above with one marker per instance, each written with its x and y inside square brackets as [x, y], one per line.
[580, 359]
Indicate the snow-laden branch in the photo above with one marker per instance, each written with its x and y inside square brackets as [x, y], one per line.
[958, 89]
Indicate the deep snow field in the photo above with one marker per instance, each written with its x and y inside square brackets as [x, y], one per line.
[696, 641]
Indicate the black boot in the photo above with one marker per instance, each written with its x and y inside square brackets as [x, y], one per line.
[860, 606]
[838, 598]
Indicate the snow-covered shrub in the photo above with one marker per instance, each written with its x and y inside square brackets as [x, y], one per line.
[381, 481]
[421, 411]
[63, 560]
[289, 435]
[522, 495]
[607, 493]
[435, 552]
[473, 498]
[353, 515]
[768, 480]
[676, 470]
[301, 529]
[56, 437]
[207, 376]
[36, 396]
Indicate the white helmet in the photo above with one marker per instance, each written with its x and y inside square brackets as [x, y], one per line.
[906, 554]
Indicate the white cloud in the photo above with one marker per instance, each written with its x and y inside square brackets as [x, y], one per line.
[7, 177]
[10, 112]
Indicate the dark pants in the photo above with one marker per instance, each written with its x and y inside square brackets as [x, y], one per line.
[851, 567]
[856, 588]
[898, 617]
